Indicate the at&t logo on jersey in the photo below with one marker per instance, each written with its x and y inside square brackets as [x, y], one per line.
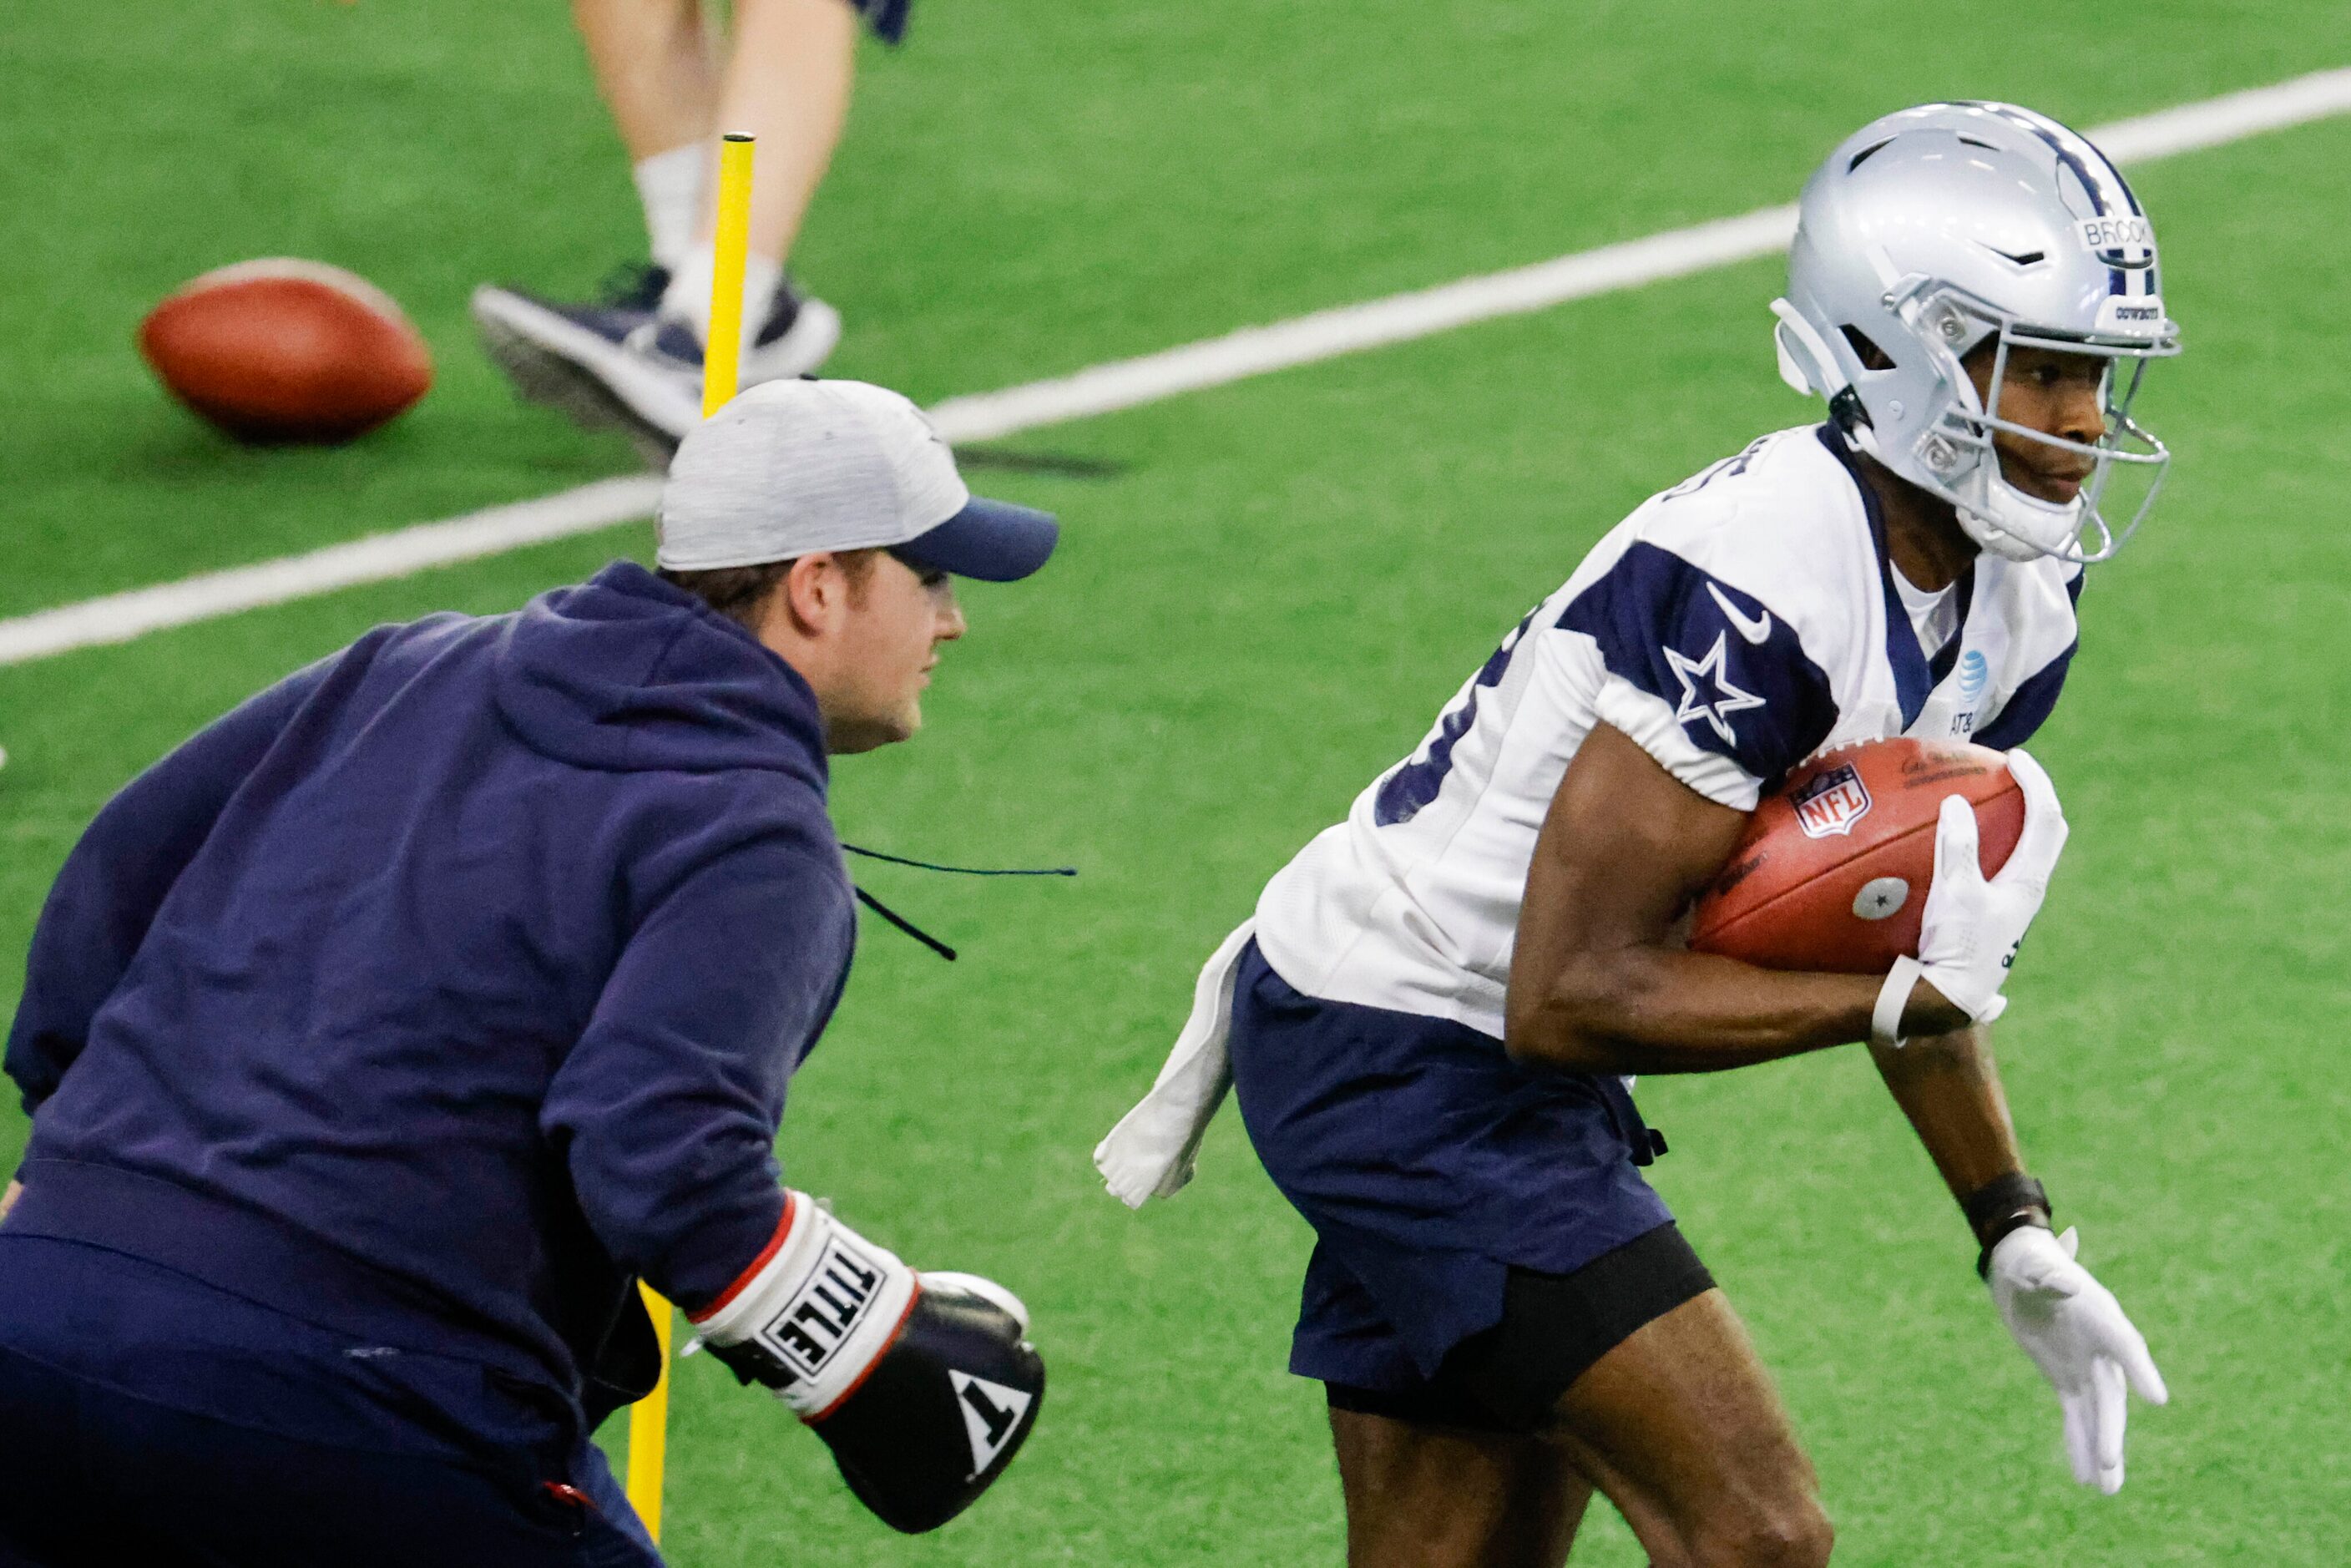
[1831, 803]
[1975, 674]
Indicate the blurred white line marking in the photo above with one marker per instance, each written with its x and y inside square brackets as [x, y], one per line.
[1104, 389]
[120, 617]
[1326, 334]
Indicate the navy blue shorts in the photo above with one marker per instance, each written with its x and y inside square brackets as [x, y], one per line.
[152, 1418]
[1430, 1166]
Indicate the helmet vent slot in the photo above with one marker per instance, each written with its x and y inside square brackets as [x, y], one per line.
[2016, 258]
[1972, 142]
[1864, 155]
[1872, 358]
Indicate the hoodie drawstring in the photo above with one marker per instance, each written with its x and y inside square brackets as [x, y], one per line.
[917, 932]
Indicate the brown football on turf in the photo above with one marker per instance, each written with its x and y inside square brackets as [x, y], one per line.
[1834, 869]
[281, 350]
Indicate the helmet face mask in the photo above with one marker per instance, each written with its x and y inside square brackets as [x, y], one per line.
[1960, 459]
[1941, 230]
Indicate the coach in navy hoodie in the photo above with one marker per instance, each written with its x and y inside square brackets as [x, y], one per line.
[380, 1037]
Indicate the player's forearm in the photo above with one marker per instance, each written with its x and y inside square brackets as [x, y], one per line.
[1662, 1010]
[1949, 1086]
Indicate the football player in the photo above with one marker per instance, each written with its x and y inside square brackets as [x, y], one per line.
[632, 360]
[1433, 1020]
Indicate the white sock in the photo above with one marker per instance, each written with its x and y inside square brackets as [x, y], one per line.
[688, 299]
[671, 184]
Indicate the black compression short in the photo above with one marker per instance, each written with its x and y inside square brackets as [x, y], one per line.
[1553, 1327]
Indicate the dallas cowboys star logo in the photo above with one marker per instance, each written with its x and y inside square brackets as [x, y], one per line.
[1723, 698]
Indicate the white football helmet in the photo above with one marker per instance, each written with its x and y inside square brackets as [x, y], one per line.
[1931, 230]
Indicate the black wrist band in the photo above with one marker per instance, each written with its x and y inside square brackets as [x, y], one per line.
[2001, 1204]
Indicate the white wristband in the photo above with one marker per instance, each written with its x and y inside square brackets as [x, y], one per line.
[1885, 1021]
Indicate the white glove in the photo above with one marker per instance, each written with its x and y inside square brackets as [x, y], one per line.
[1969, 933]
[2076, 1333]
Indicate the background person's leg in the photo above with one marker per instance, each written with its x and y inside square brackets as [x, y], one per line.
[789, 70]
[656, 64]
[631, 360]
[1679, 1427]
[1420, 1495]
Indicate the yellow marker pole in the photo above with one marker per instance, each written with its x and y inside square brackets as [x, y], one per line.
[722, 363]
[722, 357]
[649, 1425]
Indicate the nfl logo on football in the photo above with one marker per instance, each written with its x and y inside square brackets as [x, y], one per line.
[1831, 803]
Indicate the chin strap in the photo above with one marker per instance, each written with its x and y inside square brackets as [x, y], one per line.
[2008, 522]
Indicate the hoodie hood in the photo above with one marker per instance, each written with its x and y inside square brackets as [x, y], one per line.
[626, 674]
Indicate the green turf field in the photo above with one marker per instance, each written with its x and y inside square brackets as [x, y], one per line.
[1265, 607]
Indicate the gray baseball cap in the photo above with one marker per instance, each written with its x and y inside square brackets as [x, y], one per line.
[791, 467]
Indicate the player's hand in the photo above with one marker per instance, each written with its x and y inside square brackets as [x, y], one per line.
[2076, 1333]
[1970, 929]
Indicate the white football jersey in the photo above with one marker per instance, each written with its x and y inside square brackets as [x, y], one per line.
[1733, 626]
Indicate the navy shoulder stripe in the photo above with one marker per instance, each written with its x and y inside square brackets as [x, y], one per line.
[1737, 679]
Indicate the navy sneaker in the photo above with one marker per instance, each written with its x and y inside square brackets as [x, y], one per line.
[617, 363]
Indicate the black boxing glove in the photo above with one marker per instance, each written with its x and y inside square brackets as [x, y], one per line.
[924, 1385]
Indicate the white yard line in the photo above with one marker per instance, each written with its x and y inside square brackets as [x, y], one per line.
[120, 617]
[1102, 389]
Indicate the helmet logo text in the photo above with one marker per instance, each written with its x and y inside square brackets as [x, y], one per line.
[2120, 241]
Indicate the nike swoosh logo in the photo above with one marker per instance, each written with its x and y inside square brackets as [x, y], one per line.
[1754, 630]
